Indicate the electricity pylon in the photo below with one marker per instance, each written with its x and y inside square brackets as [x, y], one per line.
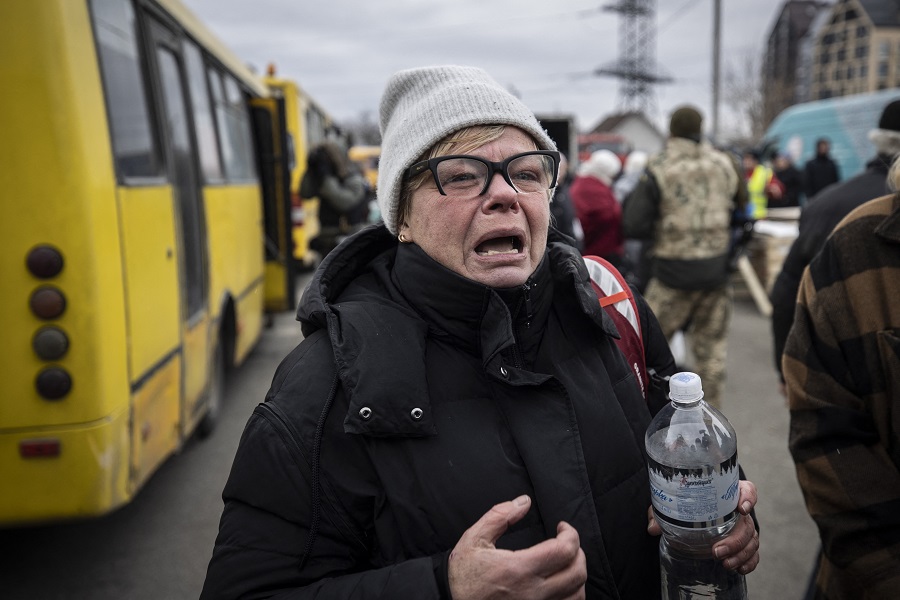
[636, 65]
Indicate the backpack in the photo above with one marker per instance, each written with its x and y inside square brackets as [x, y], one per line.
[618, 301]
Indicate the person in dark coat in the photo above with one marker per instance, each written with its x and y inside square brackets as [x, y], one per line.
[340, 187]
[820, 217]
[562, 209]
[791, 179]
[820, 171]
[458, 421]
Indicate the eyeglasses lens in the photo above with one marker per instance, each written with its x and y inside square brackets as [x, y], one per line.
[461, 176]
[467, 177]
[531, 173]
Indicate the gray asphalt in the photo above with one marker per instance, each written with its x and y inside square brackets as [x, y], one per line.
[788, 537]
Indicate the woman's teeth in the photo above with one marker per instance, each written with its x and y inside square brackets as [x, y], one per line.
[497, 246]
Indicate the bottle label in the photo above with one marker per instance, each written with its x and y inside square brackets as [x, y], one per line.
[694, 498]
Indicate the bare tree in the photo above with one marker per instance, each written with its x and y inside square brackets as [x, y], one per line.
[779, 94]
[743, 95]
[363, 130]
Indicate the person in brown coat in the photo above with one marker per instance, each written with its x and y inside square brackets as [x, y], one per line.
[842, 371]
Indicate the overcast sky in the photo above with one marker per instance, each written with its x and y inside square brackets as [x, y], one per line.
[342, 51]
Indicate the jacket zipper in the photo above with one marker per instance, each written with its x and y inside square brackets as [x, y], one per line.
[526, 292]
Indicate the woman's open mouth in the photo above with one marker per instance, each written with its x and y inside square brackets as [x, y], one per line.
[502, 245]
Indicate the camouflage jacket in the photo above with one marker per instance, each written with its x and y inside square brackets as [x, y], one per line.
[684, 203]
[842, 370]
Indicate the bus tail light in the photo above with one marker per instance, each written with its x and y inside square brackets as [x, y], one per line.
[53, 383]
[50, 343]
[47, 302]
[40, 448]
[44, 262]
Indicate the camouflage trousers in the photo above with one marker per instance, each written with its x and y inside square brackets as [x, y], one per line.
[705, 315]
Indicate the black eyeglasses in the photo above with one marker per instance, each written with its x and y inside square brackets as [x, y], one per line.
[465, 176]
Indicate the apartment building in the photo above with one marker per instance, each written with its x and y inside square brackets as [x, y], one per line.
[857, 49]
[788, 56]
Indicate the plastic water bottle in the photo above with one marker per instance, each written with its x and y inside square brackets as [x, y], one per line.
[693, 466]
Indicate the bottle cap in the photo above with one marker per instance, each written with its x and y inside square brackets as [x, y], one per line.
[685, 387]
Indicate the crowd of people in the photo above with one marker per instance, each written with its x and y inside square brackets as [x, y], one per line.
[459, 421]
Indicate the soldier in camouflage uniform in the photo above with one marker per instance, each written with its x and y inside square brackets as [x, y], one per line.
[684, 203]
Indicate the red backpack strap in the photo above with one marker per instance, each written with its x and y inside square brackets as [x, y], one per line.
[617, 299]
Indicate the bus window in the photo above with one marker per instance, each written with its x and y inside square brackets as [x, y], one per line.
[135, 148]
[184, 179]
[226, 145]
[234, 127]
[239, 135]
[315, 127]
[205, 129]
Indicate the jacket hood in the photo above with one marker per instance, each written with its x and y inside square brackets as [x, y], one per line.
[341, 266]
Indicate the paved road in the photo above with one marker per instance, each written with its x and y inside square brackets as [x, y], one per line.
[158, 546]
[788, 536]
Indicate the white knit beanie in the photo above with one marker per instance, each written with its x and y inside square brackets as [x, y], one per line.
[635, 162]
[603, 165]
[422, 106]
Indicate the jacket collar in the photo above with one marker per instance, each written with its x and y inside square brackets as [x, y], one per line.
[678, 146]
[474, 316]
[380, 301]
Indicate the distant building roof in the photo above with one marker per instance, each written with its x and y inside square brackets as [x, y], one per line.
[612, 122]
[884, 13]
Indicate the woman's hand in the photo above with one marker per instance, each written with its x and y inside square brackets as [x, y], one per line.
[554, 568]
[739, 551]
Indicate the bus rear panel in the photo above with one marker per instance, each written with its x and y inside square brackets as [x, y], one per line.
[132, 241]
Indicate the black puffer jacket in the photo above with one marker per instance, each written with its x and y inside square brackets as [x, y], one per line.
[418, 400]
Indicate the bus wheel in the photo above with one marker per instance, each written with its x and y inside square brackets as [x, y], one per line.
[215, 395]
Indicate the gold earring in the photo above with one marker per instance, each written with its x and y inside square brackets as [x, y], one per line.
[402, 238]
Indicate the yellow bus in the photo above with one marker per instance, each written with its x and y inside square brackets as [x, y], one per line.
[366, 158]
[145, 230]
[308, 125]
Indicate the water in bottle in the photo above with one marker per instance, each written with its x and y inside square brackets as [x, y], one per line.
[693, 466]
